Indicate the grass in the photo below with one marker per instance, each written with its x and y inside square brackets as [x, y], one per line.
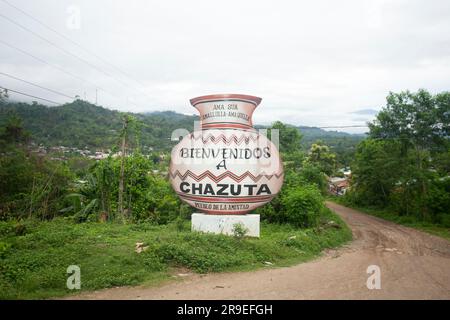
[34, 256]
[408, 221]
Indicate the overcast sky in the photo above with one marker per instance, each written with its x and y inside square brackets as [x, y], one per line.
[316, 63]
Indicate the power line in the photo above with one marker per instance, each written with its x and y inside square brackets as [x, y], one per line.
[43, 61]
[51, 101]
[55, 45]
[36, 85]
[65, 51]
[29, 95]
[57, 67]
[71, 41]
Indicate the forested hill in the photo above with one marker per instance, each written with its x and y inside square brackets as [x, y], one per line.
[81, 124]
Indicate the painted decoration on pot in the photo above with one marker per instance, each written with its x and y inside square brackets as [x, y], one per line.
[226, 167]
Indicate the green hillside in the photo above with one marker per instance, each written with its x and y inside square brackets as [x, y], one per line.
[81, 124]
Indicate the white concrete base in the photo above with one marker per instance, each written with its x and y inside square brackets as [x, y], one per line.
[223, 224]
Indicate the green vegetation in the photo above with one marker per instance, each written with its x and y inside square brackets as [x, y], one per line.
[81, 124]
[62, 211]
[148, 196]
[29, 185]
[56, 212]
[76, 211]
[320, 155]
[34, 255]
[34, 186]
[300, 202]
[403, 168]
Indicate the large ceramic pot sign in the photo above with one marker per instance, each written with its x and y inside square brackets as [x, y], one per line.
[227, 167]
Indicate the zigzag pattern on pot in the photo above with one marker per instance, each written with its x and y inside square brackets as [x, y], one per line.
[222, 138]
[222, 176]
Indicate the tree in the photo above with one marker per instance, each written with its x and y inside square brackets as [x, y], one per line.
[320, 155]
[3, 94]
[375, 171]
[124, 136]
[289, 137]
[421, 123]
[147, 196]
[419, 120]
[404, 163]
[131, 127]
[13, 132]
[30, 185]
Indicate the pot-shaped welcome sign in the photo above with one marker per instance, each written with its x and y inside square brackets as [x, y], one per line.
[226, 167]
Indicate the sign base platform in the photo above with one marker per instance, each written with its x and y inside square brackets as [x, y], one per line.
[223, 224]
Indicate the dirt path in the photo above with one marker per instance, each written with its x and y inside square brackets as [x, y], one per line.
[413, 265]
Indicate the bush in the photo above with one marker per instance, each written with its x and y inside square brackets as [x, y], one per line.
[153, 262]
[313, 175]
[31, 186]
[302, 206]
[239, 230]
[148, 196]
[4, 248]
[438, 200]
[6, 228]
[299, 205]
[180, 224]
[300, 201]
[201, 253]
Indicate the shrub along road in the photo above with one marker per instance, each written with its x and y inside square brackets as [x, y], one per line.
[413, 265]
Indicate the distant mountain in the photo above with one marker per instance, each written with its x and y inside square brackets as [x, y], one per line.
[81, 124]
[368, 112]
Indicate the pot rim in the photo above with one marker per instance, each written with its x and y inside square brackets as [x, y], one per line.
[230, 96]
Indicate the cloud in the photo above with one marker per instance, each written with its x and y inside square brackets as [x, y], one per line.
[313, 63]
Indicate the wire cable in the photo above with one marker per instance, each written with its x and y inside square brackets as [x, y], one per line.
[54, 102]
[43, 61]
[67, 52]
[71, 41]
[55, 45]
[58, 68]
[36, 85]
[29, 95]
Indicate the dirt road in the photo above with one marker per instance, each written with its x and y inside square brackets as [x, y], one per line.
[413, 265]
